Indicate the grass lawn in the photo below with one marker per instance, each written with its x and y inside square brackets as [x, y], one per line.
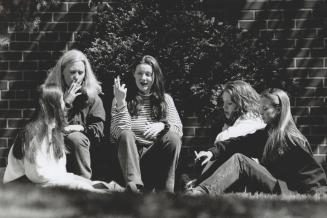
[32, 202]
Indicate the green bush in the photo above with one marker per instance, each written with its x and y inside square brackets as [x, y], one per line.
[196, 53]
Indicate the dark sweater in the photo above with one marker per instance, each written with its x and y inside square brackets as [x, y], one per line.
[295, 167]
[90, 113]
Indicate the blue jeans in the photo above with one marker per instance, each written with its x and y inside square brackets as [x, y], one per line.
[153, 167]
[79, 158]
[237, 173]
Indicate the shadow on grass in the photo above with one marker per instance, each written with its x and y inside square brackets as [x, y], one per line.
[30, 201]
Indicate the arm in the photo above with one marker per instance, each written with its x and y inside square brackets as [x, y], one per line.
[120, 120]
[173, 117]
[95, 120]
[250, 145]
[240, 128]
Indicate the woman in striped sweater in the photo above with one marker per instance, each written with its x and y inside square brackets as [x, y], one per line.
[147, 128]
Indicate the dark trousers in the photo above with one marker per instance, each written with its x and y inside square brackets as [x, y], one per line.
[78, 159]
[240, 172]
[153, 167]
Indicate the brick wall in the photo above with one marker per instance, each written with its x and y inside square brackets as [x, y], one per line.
[298, 28]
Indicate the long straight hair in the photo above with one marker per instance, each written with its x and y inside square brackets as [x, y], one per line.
[48, 110]
[246, 99]
[91, 85]
[283, 128]
[157, 97]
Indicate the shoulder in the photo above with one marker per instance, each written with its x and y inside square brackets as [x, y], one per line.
[168, 98]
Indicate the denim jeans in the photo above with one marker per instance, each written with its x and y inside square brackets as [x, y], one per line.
[239, 172]
[153, 167]
[78, 159]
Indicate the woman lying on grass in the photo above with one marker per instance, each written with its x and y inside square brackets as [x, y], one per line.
[38, 154]
[286, 160]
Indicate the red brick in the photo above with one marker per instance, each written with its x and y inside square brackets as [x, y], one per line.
[294, 53]
[3, 161]
[3, 65]
[188, 121]
[203, 131]
[3, 123]
[78, 7]
[273, 24]
[309, 101]
[255, 5]
[46, 65]
[88, 17]
[318, 52]
[27, 113]
[3, 144]
[36, 55]
[3, 85]
[67, 17]
[10, 113]
[319, 130]
[51, 36]
[52, 46]
[297, 14]
[302, 73]
[321, 92]
[284, 43]
[22, 85]
[316, 120]
[319, 111]
[23, 46]
[306, 62]
[317, 139]
[303, 24]
[4, 104]
[195, 141]
[22, 36]
[317, 73]
[35, 75]
[300, 111]
[8, 132]
[264, 15]
[304, 130]
[45, 17]
[267, 33]
[66, 36]
[16, 123]
[310, 43]
[21, 104]
[4, 152]
[188, 131]
[26, 65]
[309, 82]
[60, 27]
[8, 94]
[61, 7]
[291, 33]
[245, 24]
[10, 56]
[80, 26]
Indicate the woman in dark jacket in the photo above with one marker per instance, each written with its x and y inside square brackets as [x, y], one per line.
[286, 160]
[85, 111]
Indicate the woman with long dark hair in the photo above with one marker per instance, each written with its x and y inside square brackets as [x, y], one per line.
[286, 160]
[147, 128]
[38, 154]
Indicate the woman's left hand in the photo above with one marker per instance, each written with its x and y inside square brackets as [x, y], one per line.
[153, 129]
[73, 128]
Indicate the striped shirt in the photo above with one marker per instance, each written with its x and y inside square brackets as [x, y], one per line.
[122, 120]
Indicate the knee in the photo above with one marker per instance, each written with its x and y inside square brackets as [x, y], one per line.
[77, 140]
[172, 141]
[125, 136]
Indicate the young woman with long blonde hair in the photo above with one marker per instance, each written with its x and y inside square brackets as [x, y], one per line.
[286, 160]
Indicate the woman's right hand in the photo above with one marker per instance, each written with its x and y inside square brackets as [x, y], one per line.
[203, 156]
[120, 92]
[71, 94]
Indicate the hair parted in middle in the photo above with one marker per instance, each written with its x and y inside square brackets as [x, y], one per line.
[157, 98]
[245, 97]
[91, 85]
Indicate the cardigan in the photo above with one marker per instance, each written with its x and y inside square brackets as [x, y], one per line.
[294, 168]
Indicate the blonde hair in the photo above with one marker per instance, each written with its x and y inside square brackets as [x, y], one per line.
[91, 85]
[283, 128]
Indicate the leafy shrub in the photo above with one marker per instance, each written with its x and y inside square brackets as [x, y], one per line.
[196, 53]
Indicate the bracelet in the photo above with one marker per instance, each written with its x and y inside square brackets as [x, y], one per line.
[166, 128]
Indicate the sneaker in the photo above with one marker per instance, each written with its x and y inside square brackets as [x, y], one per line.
[134, 188]
[194, 192]
[109, 187]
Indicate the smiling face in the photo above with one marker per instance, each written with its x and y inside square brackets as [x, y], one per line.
[229, 105]
[74, 71]
[269, 112]
[144, 78]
